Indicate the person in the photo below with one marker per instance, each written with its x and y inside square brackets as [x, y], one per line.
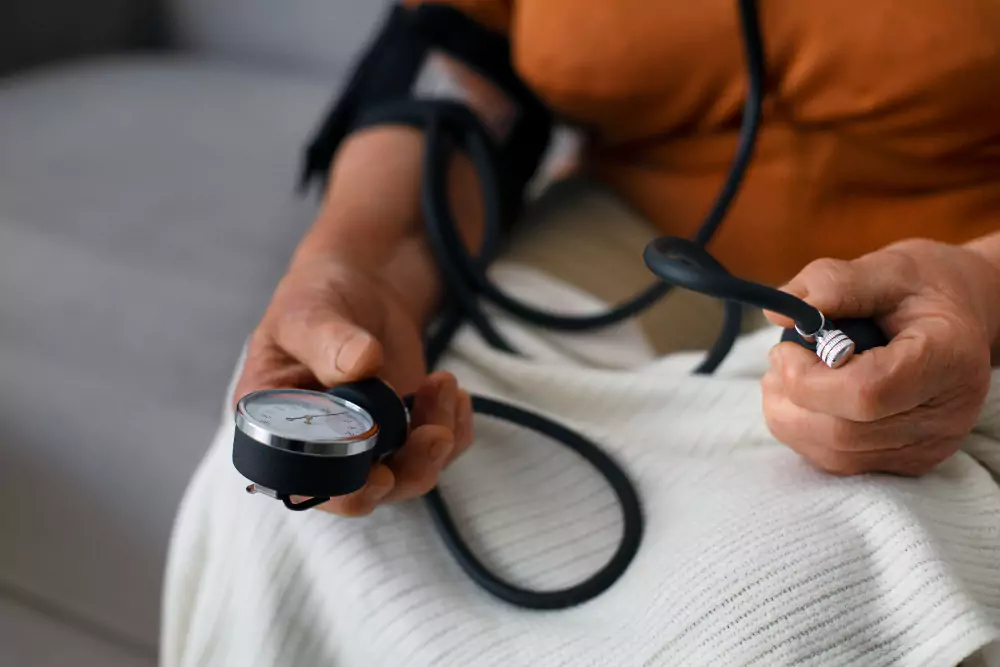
[874, 191]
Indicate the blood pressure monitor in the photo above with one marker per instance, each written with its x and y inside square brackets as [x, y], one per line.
[316, 443]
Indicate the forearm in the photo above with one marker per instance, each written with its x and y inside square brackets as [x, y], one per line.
[370, 216]
[989, 247]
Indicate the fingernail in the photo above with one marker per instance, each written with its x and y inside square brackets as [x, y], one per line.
[353, 351]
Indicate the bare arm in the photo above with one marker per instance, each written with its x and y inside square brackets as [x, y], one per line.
[370, 216]
[356, 297]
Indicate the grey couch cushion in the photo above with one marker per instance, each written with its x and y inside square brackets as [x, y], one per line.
[321, 35]
[146, 210]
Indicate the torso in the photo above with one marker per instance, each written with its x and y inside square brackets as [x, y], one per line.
[882, 118]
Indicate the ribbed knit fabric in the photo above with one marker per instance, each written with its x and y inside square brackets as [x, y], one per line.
[750, 556]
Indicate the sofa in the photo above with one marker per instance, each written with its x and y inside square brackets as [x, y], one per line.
[149, 157]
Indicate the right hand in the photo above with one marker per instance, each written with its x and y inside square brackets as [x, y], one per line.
[329, 323]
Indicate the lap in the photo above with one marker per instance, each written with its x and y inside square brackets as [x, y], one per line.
[582, 234]
[749, 557]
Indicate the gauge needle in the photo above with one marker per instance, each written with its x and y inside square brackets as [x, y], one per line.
[309, 418]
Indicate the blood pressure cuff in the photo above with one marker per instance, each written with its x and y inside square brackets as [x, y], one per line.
[389, 85]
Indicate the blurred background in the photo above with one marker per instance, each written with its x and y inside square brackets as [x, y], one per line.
[149, 154]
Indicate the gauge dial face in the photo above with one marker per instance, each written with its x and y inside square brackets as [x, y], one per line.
[305, 415]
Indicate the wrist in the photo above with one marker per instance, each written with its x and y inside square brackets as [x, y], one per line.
[370, 216]
[405, 268]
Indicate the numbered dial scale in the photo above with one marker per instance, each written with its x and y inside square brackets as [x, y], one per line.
[305, 421]
[316, 443]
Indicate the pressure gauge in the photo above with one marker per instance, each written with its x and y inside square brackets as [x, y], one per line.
[311, 422]
[316, 443]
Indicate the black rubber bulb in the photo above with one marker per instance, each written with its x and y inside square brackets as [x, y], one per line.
[865, 333]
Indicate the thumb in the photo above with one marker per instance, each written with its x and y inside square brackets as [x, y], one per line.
[333, 347]
[869, 286]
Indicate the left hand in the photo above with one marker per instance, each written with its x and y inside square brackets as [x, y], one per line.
[906, 407]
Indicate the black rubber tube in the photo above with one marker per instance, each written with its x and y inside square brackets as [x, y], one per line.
[451, 127]
[684, 263]
[469, 135]
[594, 585]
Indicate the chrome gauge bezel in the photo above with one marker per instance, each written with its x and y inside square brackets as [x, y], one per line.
[265, 435]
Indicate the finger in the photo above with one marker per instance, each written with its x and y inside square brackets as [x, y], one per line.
[435, 401]
[464, 433]
[868, 286]
[899, 446]
[816, 433]
[333, 348]
[875, 384]
[910, 461]
[363, 502]
[846, 448]
[778, 319]
[266, 366]
[419, 461]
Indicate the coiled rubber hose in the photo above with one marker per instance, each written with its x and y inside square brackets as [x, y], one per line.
[677, 262]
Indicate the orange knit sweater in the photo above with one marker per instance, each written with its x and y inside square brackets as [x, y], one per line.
[882, 117]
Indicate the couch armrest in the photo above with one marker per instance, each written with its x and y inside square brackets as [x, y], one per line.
[42, 31]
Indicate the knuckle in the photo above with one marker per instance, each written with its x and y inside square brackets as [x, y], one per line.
[825, 266]
[777, 421]
[329, 337]
[770, 385]
[260, 336]
[831, 282]
[793, 382]
[905, 257]
[826, 270]
[911, 246]
[869, 396]
[327, 333]
[843, 436]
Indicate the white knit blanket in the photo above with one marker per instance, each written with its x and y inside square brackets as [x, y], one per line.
[750, 556]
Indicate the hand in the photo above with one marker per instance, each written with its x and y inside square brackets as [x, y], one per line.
[330, 323]
[906, 407]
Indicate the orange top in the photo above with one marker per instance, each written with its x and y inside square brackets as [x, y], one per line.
[882, 119]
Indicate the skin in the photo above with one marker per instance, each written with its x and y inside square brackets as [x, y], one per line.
[362, 285]
[358, 291]
[904, 408]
